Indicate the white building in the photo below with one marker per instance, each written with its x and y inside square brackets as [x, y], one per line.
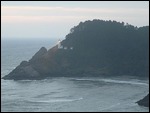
[71, 48]
[65, 48]
[62, 47]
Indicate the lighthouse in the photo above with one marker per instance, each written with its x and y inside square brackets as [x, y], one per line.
[59, 44]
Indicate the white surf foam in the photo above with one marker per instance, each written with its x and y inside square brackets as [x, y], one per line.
[114, 81]
[57, 100]
[123, 82]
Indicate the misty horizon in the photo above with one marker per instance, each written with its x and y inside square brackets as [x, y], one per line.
[55, 19]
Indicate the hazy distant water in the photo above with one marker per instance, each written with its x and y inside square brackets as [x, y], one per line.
[64, 94]
[16, 50]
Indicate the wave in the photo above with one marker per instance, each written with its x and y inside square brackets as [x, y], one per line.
[55, 100]
[112, 81]
[124, 82]
[44, 95]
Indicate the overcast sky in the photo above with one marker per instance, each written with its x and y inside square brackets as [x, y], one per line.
[54, 19]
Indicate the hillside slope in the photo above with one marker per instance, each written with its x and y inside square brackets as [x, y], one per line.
[92, 48]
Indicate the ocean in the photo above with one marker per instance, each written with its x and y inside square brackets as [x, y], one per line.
[64, 94]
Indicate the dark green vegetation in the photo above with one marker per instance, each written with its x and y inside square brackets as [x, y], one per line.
[107, 48]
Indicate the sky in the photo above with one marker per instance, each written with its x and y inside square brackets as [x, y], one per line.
[54, 19]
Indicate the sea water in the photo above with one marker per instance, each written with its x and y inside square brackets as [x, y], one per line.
[112, 94]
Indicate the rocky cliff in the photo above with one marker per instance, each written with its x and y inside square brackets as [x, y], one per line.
[92, 48]
[144, 101]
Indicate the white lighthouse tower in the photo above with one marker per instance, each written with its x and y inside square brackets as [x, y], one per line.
[59, 44]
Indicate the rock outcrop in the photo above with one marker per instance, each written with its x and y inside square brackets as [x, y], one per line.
[144, 101]
[92, 48]
[26, 70]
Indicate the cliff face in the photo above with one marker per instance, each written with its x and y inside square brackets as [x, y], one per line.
[92, 48]
[144, 101]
